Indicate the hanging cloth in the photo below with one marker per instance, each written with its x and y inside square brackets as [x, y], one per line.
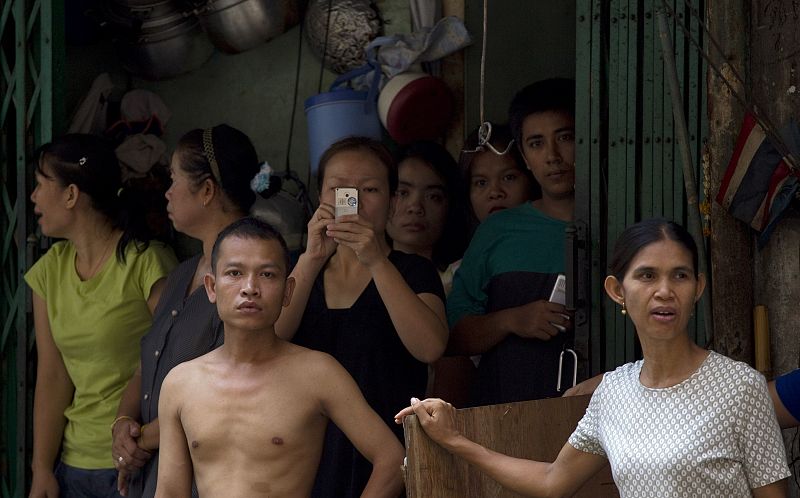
[397, 53]
[90, 117]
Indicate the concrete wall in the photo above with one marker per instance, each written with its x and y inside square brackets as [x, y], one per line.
[774, 61]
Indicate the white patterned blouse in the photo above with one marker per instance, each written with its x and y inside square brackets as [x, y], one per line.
[713, 435]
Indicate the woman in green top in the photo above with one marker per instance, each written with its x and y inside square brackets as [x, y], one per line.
[93, 297]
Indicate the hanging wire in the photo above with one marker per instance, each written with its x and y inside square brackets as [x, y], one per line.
[769, 129]
[294, 99]
[483, 58]
[325, 46]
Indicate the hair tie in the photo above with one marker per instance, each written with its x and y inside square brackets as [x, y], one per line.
[82, 161]
[260, 182]
[119, 191]
[208, 148]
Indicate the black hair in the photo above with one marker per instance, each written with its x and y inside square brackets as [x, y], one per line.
[640, 235]
[365, 144]
[249, 227]
[554, 94]
[454, 238]
[90, 163]
[235, 156]
[500, 138]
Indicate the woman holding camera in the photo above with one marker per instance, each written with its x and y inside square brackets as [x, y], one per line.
[379, 312]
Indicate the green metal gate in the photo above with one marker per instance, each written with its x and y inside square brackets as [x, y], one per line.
[26, 121]
[628, 164]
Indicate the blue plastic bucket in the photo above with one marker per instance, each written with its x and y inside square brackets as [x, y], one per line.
[333, 116]
[339, 114]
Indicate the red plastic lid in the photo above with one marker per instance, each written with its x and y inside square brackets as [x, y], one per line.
[421, 110]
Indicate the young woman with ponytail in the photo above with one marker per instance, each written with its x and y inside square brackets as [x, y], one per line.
[93, 297]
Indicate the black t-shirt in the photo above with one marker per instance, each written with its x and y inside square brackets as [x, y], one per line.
[363, 339]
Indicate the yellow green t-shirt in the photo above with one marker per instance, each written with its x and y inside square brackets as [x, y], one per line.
[96, 325]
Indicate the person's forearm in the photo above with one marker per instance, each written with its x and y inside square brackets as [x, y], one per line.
[129, 405]
[519, 475]
[149, 436]
[51, 399]
[305, 273]
[785, 419]
[422, 331]
[386, 480]
[476, 334]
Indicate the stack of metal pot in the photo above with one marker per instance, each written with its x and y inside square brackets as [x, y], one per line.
[161, 39]
[238, 25]
[157, 39]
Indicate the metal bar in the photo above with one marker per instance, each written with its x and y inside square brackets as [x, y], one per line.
[20, 101]
[599, 186]
[45, 114]
[702, 160]
[579, 282]
[695, 227]
[658, 123]
[693, 90]
[615, 327]
[646, 189]
[668, 166]
[677, 173]
[631, 142]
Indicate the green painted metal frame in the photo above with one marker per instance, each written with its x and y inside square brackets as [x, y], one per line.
[27, 33]
[627, 162]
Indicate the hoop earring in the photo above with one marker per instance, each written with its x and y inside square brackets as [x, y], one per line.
[623, 310]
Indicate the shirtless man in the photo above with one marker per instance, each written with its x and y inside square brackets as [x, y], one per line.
[249, 418]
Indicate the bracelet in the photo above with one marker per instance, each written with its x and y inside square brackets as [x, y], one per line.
[141, 437]
[121, 417]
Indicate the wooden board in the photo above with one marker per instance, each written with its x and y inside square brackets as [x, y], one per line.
[535, 430]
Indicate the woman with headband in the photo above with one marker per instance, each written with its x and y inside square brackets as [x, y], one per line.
[215, 176]
[93, 297]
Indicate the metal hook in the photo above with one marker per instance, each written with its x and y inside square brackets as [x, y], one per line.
[561, 367]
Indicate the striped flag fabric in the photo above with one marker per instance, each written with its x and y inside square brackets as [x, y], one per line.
[759, 183]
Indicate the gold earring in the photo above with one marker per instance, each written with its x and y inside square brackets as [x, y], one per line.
[623, 310]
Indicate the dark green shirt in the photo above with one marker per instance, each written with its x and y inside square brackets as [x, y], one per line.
[513, 260]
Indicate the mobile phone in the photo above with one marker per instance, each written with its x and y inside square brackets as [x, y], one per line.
[346, 201]
[559, 295]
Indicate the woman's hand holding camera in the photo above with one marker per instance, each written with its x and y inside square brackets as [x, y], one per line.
[355, 232]
[319, 245]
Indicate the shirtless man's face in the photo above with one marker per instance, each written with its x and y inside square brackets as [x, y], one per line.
[249, 286]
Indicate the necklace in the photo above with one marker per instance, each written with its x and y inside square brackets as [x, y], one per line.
[100, 260]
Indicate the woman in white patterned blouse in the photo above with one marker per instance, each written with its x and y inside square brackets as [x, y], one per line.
[682, 422]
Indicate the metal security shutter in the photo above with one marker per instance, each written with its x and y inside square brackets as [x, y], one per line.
[628, 164]
[26, 115]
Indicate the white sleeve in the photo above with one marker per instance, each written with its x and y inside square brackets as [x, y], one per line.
[758, 434]
[586, 436]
